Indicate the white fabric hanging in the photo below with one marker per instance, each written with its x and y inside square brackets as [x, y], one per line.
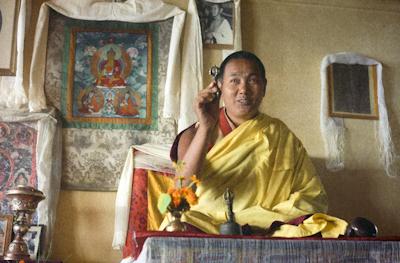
[192, 73]
[183, 73]
[154, 157]
[237, 38]
[333, 130]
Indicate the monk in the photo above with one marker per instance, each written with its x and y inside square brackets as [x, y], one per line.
[254, 155]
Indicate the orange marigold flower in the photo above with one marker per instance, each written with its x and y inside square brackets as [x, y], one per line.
[176, 193]
[191, 196]
[183, 191]
[176, 201]
[182, 197]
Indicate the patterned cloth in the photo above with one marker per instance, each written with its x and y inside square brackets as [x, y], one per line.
[17, 158]
[222, 249]
[30, 154]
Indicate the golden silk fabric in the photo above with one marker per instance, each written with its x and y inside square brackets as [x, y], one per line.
[269, 172]
[327, 226]
[158, 184]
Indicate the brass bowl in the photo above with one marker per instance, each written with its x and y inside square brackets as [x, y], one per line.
[24, 198]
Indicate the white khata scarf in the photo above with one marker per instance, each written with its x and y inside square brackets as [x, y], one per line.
[332, 128]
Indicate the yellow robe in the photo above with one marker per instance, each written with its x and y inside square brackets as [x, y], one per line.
[268, 170]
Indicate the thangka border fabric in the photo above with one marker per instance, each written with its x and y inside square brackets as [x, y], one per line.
[94, 148]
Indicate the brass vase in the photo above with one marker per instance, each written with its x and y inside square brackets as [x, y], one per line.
[23, 203]
[175, 223]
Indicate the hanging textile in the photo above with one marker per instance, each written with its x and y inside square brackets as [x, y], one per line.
[30, 154]
[333, 128]
[183, 72]
[89, 146]
[147, 157]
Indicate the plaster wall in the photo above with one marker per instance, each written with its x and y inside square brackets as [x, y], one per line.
[291, 37]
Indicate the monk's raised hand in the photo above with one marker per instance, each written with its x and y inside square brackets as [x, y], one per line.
[207, 105]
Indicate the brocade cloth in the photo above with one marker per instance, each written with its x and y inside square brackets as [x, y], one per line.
[213, 250]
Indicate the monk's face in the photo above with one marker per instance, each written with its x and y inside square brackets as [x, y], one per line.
[242, 88]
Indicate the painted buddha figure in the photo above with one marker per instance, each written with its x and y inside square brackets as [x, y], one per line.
[110, 73]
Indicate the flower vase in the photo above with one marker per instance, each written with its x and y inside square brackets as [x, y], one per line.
[175, 223]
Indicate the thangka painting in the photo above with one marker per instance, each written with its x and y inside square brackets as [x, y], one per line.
[17, 158]
[107, 79]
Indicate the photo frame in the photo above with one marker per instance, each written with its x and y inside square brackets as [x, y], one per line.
[33, 239]
[217, 20]
[6, 224]
[353, 91]
[9, 11]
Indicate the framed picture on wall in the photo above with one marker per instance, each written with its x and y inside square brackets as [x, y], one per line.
[217, 19]
[8, 36]
[32, 239]
[6, 223]
[353, 91]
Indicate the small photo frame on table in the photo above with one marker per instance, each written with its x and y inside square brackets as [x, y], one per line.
[6, 223]
[217, 20]
[353, 91]
[9, 11]
[33, 239]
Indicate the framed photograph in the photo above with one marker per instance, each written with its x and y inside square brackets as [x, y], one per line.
[32, 239]
[217, 19]
[6, 223]
[9, 11]
[353, 91]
